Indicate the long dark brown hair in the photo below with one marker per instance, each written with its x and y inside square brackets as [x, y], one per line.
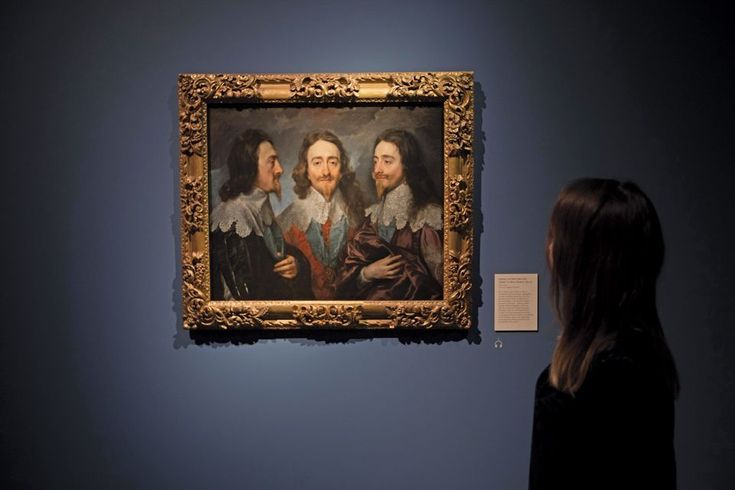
[242, 163]
[417, 176]
[347, 184]
[605, 251]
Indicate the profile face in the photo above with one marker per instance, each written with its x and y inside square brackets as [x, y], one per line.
[269, 169]
[387, 167]
[323, 167]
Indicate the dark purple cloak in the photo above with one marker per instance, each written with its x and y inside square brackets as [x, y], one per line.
[415, 281]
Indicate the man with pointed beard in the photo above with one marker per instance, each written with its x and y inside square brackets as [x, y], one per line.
[328, 208]
[397, 253]
[249, 257]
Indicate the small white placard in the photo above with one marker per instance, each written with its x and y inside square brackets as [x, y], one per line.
[516, 302]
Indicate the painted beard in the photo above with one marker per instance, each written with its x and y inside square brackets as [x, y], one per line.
[326, 186]
[383, 185]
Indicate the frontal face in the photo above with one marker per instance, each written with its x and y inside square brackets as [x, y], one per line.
[269, 169]
[323, 167]
[387, 167]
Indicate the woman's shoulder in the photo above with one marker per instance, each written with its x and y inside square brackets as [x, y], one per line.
[547, 394]
[633, 350]
[629, 367]
[543, 378]
[628, 363]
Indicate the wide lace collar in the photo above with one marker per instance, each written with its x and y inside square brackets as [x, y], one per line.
[397, 204]
[250, 213]
[315, 207]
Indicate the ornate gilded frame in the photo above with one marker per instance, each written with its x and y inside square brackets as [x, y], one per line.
[454, 90]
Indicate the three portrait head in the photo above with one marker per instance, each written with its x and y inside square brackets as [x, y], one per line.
[324, 164]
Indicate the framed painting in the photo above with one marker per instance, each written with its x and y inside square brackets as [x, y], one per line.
[326, 200]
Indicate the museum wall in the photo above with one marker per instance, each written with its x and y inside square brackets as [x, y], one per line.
[101, 387]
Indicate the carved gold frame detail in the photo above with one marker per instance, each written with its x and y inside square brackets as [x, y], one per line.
[454, 90]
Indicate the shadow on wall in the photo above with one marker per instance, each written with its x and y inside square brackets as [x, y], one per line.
[185, 338]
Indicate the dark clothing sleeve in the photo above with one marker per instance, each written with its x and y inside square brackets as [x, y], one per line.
[616, 432]
[414, 282]
[245, 266]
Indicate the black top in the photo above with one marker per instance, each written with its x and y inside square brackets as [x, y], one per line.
[246, 266]
[616, 432]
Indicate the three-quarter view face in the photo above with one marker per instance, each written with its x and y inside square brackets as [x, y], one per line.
[387, 167]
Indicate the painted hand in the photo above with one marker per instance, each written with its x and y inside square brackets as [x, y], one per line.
[287, 268]
[386, 268]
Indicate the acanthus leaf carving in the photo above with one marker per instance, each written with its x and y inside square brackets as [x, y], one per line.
[456, 311]
[456, 90]
[194, 91]
[198, 312]
[192, 211]
[327, 315]
[460, 204]
[325, 87]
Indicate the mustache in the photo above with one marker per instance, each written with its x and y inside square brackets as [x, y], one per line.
[325, 179]
[380, 176]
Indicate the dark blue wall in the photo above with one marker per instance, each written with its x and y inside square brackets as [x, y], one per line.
[102, 389]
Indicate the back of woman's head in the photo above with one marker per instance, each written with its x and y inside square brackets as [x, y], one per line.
[605, 251]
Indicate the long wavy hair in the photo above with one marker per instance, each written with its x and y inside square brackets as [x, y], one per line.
[414, 170]
[351, 191]
[242, 163]
[605, 251]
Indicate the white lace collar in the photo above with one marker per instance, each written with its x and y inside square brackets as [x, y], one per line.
[397, 203]
[313, 207]
[249, 212]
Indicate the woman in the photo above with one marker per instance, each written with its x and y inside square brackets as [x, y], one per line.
[604, 408]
